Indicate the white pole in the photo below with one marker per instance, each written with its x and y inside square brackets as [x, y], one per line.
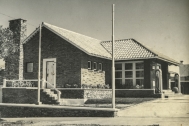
[113, 62]
[39, 67]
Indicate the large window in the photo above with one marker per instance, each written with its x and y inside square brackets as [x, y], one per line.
[129, 74]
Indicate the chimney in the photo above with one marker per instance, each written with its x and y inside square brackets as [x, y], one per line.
[14, 66]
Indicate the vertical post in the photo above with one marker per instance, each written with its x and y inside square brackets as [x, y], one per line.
[113, 62]
[39, 67]
[4, 82]
[179, 84]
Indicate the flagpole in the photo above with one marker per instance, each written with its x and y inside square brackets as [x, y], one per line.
[113, 61]
[39, 67]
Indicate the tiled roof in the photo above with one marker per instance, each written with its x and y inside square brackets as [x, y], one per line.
[126, 49]
[89, 45]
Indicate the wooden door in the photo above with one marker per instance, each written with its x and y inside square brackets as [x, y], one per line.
[50, 73]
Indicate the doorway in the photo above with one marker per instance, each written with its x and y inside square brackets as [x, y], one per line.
[49, 72]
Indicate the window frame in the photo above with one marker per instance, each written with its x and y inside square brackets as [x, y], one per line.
[94, 65]
[134, 78]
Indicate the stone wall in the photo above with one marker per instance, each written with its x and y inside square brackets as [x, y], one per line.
[95, 77]
[91, 77]
[97, 94]
[14, 62]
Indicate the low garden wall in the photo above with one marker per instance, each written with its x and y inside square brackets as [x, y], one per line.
[106, 93]
[19, 95]
[23, 96]
[29, 95]
[135, 93]
[20, 110]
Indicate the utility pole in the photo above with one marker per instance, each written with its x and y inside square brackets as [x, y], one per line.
[113, 61]
[39, 67]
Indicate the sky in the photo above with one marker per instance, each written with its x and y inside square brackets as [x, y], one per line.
[162, 25]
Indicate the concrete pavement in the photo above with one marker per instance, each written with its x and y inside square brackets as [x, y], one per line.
[163, 112]
[167, 107]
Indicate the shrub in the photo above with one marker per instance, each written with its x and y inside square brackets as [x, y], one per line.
[94, 86]
[107, 86]
[99, 86]
[75, 85]
[67, 86]
[84, 86]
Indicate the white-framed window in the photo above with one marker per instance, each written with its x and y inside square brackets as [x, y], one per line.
[29, 67]
[129, 74]
[89, 65]
[100, 66]
[94, 66]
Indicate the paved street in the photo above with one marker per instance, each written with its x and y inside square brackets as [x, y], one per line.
[165, 112]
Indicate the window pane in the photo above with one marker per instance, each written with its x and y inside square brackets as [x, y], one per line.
[118, 74]
[118, 83]
[94, 66]
[128, 66]
[128, 83]
[118, 66]
[139, 73]
[89, 64]
[128, 74]
[140, 83]
[100, 66]
[29, 67]
[140, 65]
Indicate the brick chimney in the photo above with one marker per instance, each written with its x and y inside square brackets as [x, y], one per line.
[14, 63]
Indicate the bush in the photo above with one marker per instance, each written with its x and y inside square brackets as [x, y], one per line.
[75, 86]
[84, 86]
[107, 86]
[100, 86]
[175, 89]
[68, 86]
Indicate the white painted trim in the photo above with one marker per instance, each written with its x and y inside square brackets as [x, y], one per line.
[31, 35]
[45, 66]
[94, 65]
[133, 71]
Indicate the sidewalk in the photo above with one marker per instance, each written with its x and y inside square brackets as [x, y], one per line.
[163, 112]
